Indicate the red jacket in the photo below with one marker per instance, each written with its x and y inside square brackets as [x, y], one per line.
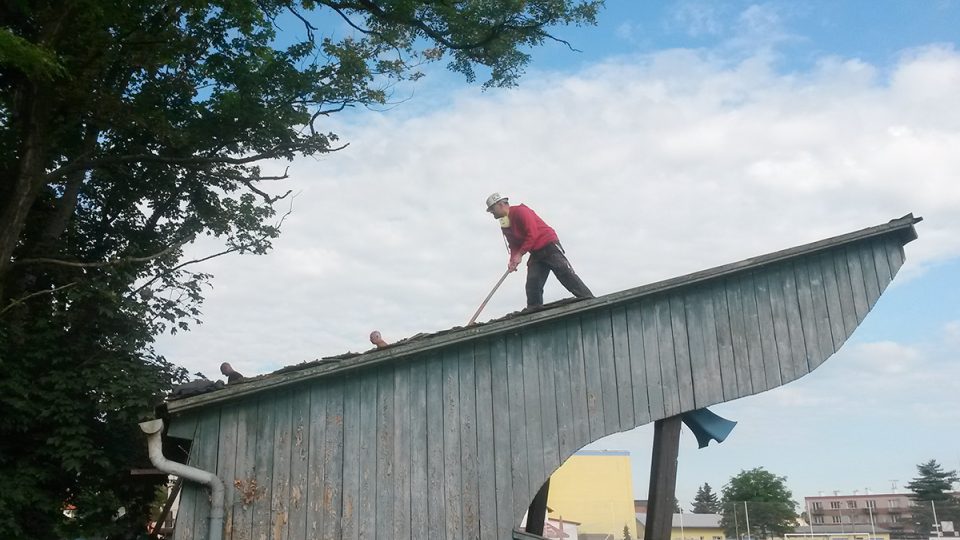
[527, 232]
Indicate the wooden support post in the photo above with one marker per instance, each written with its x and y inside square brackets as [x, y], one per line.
[537, 513]
[663, 478]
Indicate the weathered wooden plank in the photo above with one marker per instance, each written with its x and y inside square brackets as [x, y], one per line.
[895, 255]
[550, 440]
[578, 384]
[751, 327]
[300, 450]
[651, 360]
[621, 360]
[350, 494]
[367, 456]
[794, 321]
[638, 367]
[520, 478]
[385, 479]
[681, 350]
[844, 291]
[881, 264]
[245, 472]
[502, 454]
[401, 452]
[591, 369]
[184, 426]
[821, 313]
[557, 349]
[316, 426]
[668, 360]
[469, 474]
[738, 336]
[263, 468]
[436, 511]
[336, 473]
[227, 461]
[869, 267]
[831, 289]
[534, 426]
[453, 499]
[487, 470]
[191, 494]
[693, 312]
[860, 301]
[608, 373]
[728, 365]
[706, 377]
[713, 389]
[280, 492]
[418, 449]
[778, 308]
[768, 338]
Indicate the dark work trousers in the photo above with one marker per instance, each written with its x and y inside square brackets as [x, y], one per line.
[542, 261]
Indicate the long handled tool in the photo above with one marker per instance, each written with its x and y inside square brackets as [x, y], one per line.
[487, 299]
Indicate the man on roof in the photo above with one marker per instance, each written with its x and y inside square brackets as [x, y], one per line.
[527, 233]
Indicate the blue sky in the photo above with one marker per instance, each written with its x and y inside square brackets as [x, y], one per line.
[685, 135]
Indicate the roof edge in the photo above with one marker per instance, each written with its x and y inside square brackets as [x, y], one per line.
[904, 227]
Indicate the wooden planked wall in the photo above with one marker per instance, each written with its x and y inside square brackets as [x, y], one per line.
[455, 443]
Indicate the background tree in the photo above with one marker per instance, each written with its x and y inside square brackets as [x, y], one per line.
[934, 485]
[626, 533]
[128, 130]
[706, 502]
[769, 503]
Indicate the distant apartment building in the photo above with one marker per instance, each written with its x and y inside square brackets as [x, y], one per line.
[890, 510]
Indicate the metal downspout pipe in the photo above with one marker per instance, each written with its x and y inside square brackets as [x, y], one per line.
[154, 431]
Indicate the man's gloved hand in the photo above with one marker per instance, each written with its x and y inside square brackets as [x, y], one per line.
[513, 263]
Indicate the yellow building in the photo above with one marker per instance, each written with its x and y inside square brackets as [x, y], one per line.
[596, 489]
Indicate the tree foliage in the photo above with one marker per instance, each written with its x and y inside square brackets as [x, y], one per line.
[761, 498]
[706, 502]
[130, 129]
[933, 489]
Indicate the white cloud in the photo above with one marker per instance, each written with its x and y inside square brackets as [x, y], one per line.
[951, 332]
[648, 167]
[698, 18]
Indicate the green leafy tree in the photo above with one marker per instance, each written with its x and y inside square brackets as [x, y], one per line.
[706, 502]
[763, 497]
[626, 533]
[128, 130]
[933, 488]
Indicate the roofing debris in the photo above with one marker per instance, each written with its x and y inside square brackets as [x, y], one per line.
[202, 386]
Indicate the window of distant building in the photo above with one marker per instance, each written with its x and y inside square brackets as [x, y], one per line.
[851, 504]
[836, 519]
[835, 504]
[871, 504]
[818, 520]
[893, 503]
[895, 517]
[883, 518]
[817, 505]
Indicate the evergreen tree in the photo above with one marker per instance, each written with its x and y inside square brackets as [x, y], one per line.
[626, 533]
[706, 501]
[932, 490]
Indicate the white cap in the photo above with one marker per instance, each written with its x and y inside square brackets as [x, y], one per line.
[494, 199]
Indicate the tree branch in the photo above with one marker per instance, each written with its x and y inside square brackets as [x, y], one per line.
[208, 257]
[21, 300]
[98, 264]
